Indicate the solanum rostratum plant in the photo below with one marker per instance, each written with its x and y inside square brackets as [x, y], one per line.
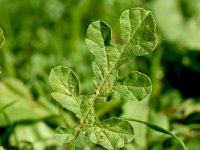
[137, 33]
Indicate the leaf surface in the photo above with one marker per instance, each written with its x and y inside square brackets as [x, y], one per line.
[64, 135]
[65, 87]
[137, 38]
[111, 133]
[98, 40]
[134, 86]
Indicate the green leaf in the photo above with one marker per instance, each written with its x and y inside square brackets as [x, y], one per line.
[1, 38]
[137, 33]
[108, 57]
[64, 135]
[138, 38]
[63, 80]
[111, 133]
[65, 87]
[88, 110]
[134, 86]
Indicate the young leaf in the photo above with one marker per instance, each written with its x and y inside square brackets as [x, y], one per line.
[87, 110]
[65, 88]
[98, 40]
[64, 135]
[138, 38]
[63, 79]
[1, 37]
[111, 133]
[137, 32]
[134, 86]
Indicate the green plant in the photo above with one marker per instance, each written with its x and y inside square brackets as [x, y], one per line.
[1, 41]
[138, 38]
[27, 115]
[137, 27]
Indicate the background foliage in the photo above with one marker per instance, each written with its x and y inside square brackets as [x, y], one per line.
[43, 34]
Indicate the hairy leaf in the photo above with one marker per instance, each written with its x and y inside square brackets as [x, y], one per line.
[1, 37]
[111, 133]
[87, 110]
[64, 135]
[137, 39]
[106, 55]
[137, 33]
[63, 79]
[65, 88]
[134, 86]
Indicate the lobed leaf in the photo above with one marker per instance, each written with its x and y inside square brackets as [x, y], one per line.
[65, 87]
[88, 110]
[137, 39]
[111, 133]
[64, 135]
[70, 103]
[134, 86]
[137, 32]
[1, 38]
[98, 40]
[63, 79]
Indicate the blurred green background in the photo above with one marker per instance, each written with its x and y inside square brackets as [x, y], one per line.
[42, 34]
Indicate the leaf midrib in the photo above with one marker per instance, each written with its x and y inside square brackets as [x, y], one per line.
[109, 72]
[112, 68]
[98, 91]
[133, 33]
